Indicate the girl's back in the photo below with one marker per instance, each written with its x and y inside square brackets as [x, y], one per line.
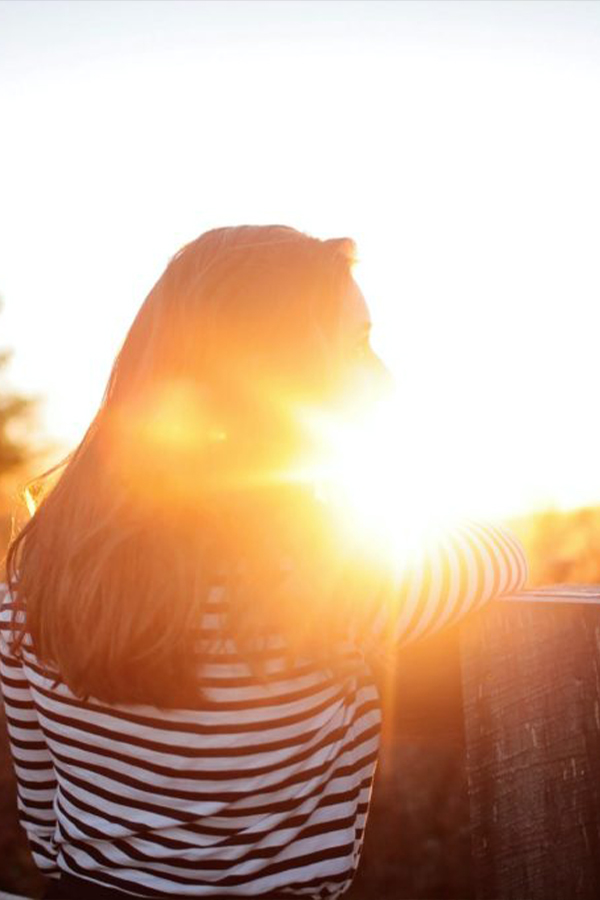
[263, 787]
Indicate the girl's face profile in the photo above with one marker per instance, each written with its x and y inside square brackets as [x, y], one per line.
[354, 336]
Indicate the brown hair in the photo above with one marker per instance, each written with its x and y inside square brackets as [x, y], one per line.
[184, 478]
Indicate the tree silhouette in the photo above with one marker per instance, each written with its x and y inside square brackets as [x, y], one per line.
[13, 408]
[15, 411]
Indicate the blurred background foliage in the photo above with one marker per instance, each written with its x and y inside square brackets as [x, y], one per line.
[19, 453]
[417, 842]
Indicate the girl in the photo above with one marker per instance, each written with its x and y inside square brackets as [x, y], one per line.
[188, 642]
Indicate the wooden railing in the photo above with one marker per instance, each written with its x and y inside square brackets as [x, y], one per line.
[531, 705]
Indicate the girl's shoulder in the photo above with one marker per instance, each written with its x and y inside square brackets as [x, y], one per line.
[7, 603]
[11, 615]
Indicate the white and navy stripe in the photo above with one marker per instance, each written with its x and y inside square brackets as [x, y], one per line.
[264, 789]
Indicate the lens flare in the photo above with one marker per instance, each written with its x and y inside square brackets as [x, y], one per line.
[363, 468]
[29, 501]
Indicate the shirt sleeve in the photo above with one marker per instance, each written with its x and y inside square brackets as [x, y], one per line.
[453, 573]
[34, 770]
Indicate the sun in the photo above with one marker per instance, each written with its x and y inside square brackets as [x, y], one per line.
[364, 469]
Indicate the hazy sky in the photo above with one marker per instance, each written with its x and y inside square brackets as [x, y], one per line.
[456, 142]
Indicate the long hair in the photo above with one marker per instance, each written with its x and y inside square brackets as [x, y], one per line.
[186, 480]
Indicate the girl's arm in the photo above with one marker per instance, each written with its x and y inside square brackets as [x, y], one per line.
[36, 778]
[453, 573]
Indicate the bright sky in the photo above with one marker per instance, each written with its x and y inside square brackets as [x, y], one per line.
[456, 142]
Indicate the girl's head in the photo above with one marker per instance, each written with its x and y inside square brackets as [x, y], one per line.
[245, 327]
[188, 475]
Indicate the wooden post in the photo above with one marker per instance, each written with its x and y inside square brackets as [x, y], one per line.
[531, 689]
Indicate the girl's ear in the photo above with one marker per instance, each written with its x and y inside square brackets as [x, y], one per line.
[346, 247]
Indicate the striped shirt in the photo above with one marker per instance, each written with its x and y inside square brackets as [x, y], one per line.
[264, 789]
